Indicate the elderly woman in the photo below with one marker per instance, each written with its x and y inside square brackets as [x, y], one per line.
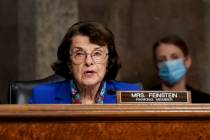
[87, 58]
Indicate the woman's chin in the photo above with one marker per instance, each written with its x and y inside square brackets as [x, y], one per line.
[90, 82]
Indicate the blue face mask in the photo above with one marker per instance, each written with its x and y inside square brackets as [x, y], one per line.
[172, 71]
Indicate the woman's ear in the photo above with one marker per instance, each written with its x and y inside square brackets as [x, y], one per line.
[188, 62]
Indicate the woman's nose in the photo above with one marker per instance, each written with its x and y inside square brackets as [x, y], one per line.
[88, 60]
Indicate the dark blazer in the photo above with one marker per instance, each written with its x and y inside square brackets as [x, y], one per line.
[60, 93]
[197, 96]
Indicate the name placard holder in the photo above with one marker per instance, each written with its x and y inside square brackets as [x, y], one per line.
[136, 97]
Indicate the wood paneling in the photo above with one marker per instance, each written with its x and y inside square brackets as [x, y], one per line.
[78, 122]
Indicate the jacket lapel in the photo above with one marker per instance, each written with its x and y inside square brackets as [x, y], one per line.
[63, 93]
[110, 95]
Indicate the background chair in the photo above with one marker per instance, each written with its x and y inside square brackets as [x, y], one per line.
[20, 91]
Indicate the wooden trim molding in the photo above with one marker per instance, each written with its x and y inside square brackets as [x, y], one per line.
[119, 110]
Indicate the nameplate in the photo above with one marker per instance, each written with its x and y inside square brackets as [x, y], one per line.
[135, 97]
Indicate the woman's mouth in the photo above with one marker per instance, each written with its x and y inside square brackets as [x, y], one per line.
[89, 73]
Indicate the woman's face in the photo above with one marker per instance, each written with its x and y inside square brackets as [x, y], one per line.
[88, 61]
[166, 52]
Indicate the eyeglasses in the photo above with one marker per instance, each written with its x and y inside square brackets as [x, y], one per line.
[79, 56]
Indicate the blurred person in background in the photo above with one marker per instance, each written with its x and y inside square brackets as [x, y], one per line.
[172, 60]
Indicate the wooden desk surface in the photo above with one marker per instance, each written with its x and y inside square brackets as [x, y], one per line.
[91, 122]
[119, 110]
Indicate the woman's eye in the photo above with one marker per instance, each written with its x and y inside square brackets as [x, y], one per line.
[79, 54]
[174, 57]
[161, 59]
[97, 53]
